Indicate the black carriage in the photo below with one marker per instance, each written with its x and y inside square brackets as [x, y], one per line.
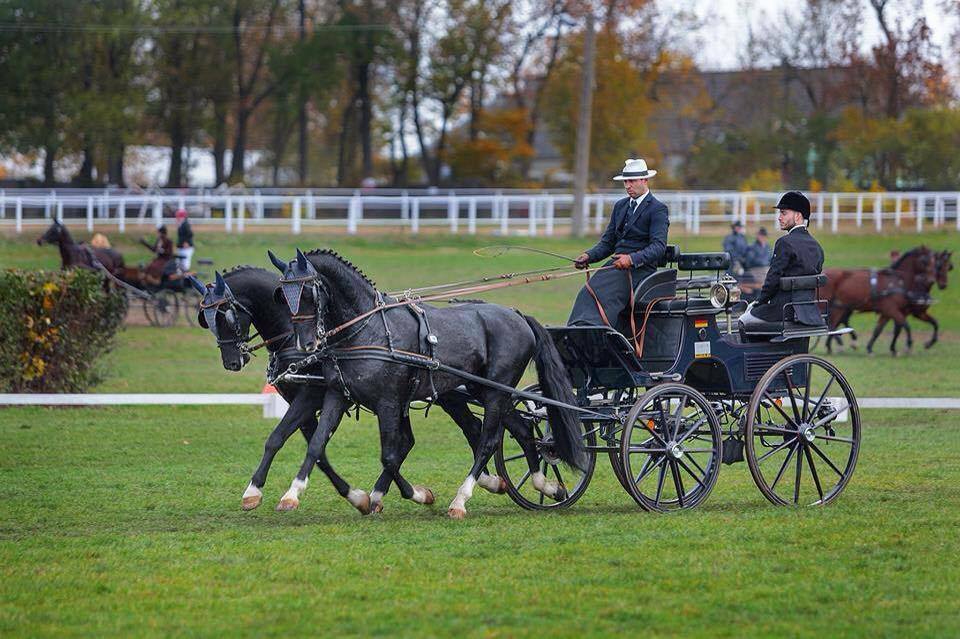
[167, 301]
[693, 392]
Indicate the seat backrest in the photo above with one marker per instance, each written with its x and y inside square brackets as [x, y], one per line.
[704, 261]
[659, 284]
[803, 282]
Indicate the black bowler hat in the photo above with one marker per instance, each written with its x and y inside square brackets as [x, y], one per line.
[795, 201]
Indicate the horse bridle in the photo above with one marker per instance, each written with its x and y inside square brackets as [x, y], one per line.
[293, 287]
[229, 306]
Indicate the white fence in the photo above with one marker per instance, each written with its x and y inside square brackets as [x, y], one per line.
[459, 211]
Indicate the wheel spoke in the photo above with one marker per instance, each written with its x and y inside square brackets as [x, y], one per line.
[806, 394]
[793, 400]
[691, 431]
[817, 450]
[698, 450]
[773, 430]
[695, 463]
[776, 449]
[834, 438]
[514, 457]
[828, 418]
[783, 467]
[813, 471]
[556, 471]
[796, 484]
[663, 473]
[523, 479]
[677, 482]
[823, 395]
[774, 403]
[677, 416]
[683, 465]
[648, 466]
[640, 449]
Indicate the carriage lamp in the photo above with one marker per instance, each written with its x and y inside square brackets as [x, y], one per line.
[724, 293]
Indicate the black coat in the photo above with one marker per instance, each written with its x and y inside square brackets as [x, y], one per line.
[796, 253]
[184, 234]
[644, 237]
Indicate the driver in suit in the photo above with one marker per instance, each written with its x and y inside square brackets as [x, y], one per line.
[635, 240]
[796, 253]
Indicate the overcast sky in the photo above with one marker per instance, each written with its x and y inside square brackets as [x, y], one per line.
[723, 37]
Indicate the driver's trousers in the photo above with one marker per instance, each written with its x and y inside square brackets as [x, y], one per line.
[612, 288]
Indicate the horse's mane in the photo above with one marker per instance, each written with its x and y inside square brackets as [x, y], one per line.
[241, 268]
[342, 260]
[909, 253]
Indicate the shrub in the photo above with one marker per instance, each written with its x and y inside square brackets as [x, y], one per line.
[54, 325]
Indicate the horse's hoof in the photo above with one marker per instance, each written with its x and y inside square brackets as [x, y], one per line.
[456, 513]
[363, 504]
[561, 493]
[249, 503]
[426, 495]
[287, 504]
[502, 488]
[376, 508]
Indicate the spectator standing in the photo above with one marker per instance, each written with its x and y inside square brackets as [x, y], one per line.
[184, 240]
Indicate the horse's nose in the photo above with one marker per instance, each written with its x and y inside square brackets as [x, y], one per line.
[233, 365]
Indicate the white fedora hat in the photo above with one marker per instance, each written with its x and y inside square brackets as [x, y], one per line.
[635, 170]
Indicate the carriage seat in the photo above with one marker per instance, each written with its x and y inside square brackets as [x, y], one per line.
[659, 284]
[801, 288]
[704, 261]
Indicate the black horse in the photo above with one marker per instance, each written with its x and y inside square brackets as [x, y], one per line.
[243, 297]
[73, 254]
[486, 340]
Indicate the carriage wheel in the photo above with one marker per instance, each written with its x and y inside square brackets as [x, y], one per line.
[162, 308]
[512, 465]
[671, 448]
[798, 450]
[190, 302]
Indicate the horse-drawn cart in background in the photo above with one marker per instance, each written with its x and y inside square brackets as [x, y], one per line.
[693, 392]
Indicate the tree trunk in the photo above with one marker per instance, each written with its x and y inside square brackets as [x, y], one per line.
[50, 155]
[366, 117]
[115, 164]
[219, 141]
[302, 103]
[85, 174]
[582, 155]
[177, 141]
[344, 157]
[239, 146]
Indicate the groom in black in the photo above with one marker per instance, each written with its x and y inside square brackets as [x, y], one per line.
[635, 240]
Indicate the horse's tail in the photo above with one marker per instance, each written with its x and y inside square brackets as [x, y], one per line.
[555, 384]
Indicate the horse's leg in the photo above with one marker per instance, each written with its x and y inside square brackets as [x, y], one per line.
[457, 407]
[881, 322]
[382, 486]
[906, 328]
[301, 411]
[846, 322]
[495, 405]
[523, 433]
[396, 439]
[928, 318]
[334, 406]
[357, 498]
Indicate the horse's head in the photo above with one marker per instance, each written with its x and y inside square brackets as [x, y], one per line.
[944, 266]
[53, 235]
[306, 297]
[227, 319]
[919, 268]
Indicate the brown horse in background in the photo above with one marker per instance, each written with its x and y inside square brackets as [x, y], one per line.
[889, 292]
[74, 254]
[921, 308]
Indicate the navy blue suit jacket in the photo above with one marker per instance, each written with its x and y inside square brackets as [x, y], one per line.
[643, 238]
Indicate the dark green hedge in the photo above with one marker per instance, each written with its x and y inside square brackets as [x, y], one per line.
[54, 325]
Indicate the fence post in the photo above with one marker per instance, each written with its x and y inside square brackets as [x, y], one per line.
[938, 214]
[696, 215]
[504, 215]
[921, 205]
[404, 205]
[89, 214]
[756, 208]
[228, 215]
[415, 215]
[472, 216]
[18, 215]
[3, 204]
[295, 224]
[835, 213]
[60, 210]
[598, 213]
[956, 209]
[859, 210]
[550, 213]
[241, 214]
[878, 212]
[258, 204]
[47, 204]
[896, 210]
[181, 203]
[453, 212]
[121, 215]
[532, 216]
[158, 212]
[820, 210]
[311, 206]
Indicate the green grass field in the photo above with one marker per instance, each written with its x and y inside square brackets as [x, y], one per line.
[126, 521]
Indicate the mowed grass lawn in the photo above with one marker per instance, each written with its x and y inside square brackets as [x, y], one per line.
[126, 521]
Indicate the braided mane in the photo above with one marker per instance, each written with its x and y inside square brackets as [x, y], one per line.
[342, 260]
[909, 253]
[241, 268]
